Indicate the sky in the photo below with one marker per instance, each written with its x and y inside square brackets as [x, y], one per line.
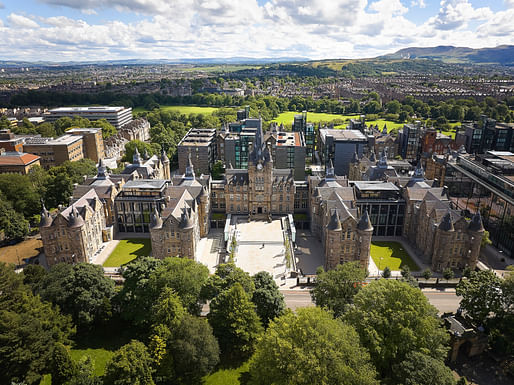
[81, 30]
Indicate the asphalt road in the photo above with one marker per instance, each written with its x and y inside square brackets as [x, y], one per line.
[444, 301]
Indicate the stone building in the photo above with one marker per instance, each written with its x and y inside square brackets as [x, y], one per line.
[199, 145]
[146, 167]
[75, 234]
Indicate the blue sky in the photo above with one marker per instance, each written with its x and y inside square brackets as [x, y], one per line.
[316, 29]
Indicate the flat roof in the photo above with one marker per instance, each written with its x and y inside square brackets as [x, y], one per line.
[84, 129]
[65, 139]
[288, 139]
[88, 109]
[380, 186]
[343, 135]
[145, 184]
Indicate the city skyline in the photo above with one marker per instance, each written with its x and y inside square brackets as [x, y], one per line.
[64, 30]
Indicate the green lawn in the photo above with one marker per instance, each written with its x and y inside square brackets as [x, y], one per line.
[127, 250]
[393, 256]
[390, 124]
[313, 117]
[226, 376]
[182, 109]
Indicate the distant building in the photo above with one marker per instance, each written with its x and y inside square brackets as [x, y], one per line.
[9, 142]
[117, 116]
[434, 142]
[409, 140]
[17, 162]
[288, 152]
[488, 135]
[92, 141]
[338, 147]
[200, 144]
[54, 152]
[307, 129]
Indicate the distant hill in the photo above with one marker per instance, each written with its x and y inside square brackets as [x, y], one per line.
[503, 54]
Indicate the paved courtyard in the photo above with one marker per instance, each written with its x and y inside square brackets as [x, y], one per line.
[208, 247]
[309, 253]
[260, 247]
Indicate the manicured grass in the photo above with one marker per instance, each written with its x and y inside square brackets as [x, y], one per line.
[127, 250]
[393, 256]
[182, 109]
[312, 117]
[226, 376]
[98, 356]
[390, 124]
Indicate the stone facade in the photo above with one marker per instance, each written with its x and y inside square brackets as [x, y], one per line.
[75, 233]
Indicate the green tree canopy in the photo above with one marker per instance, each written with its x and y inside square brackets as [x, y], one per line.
[481, 295]
[62, 367]
[29, 329]
[137, 297]
[194, 349]
[227, 274]
[185, 276]
[168, 309]
[80, 290]
[420, 369]
[336, 288]
[309, 348]
[130, 365]
[268, 300]
[235, 323]
[130, 148]
[394, 319]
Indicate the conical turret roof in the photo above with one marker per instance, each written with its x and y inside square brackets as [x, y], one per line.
[156, 220]
[365, 223]
[476, 224]
[335, 223]
[447, 223]
[46, 219]
[102, 170]
[75, 219]
[136, 158]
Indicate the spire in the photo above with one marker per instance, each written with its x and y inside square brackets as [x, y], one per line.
[382, 163]
[384, 130]
[185, 219]
[190, 170]
[164, 157]
[155, 220]
[476, 224]
[75, 219]
[46, 219]
[145, 155]
[446, 223]
[355, 158]
[136, 158]
[418, 172]
[335, 223]
[330, 173]
[102, 170]
[372, 157]
[365, 223]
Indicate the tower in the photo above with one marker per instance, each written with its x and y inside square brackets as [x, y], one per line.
[187, 236]
[443, 239]
[332, 241]
[476, 232]
[204, 211]
[136, 158]
[364, 233]
[166, 173]
[190, 170]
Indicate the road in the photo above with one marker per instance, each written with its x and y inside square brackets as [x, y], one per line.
[444, 301]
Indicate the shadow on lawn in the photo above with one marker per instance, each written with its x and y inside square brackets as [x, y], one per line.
[143, 250]
[110, 335]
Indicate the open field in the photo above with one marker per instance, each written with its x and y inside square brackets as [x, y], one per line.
[182, 109]
[392, 255]
[127, 250]
[313, 117]
[226, 376]
[26, 249]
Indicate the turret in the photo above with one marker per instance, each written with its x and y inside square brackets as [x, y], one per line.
[102, 170]
[75, 219]
[156, 220]
[46, 219]
[330, 172]
[364, 232]
[372, 157]
[476, 231]
[136, 158]
[190, 170]
[335, 223]
[355, 158]
[166, 165]
[146, 156]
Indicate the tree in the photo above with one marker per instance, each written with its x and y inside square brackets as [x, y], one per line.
[268, 300]
[394, 319]
[108, 129]
[403, 116]
[310, 347]
[420, 369]
[227, 274]
[33, 276]
[80, 290]
[62, 367]
[12, 222]
[28, 330]
[481, 295]
[393, 107]
[387, 272]
[185, 276]
[405, 271]
[19, 191]
[427, 273]
[136, 297]
[448, 273]
[46, 129]
[217, 170]
[84, 373]
[130, 365]
[336, 288]
[235, 323]
[194, 349]
[168, 309]
[485, 240]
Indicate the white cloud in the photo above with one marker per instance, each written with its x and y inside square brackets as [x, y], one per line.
[224, 28]
[20, 21]
[418, 3]
[455, 14]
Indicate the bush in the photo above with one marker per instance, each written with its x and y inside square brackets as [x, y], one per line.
[387, 272]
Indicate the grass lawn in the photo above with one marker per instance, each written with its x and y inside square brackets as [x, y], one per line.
[390, 124]
[26, 249]
[127, 250]
[393, 256]
[226, 376]
[182, 109]
[312, 117]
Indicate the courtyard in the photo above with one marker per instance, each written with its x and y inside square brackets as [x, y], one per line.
[391, 254]
[128, 250]
[260, 247]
